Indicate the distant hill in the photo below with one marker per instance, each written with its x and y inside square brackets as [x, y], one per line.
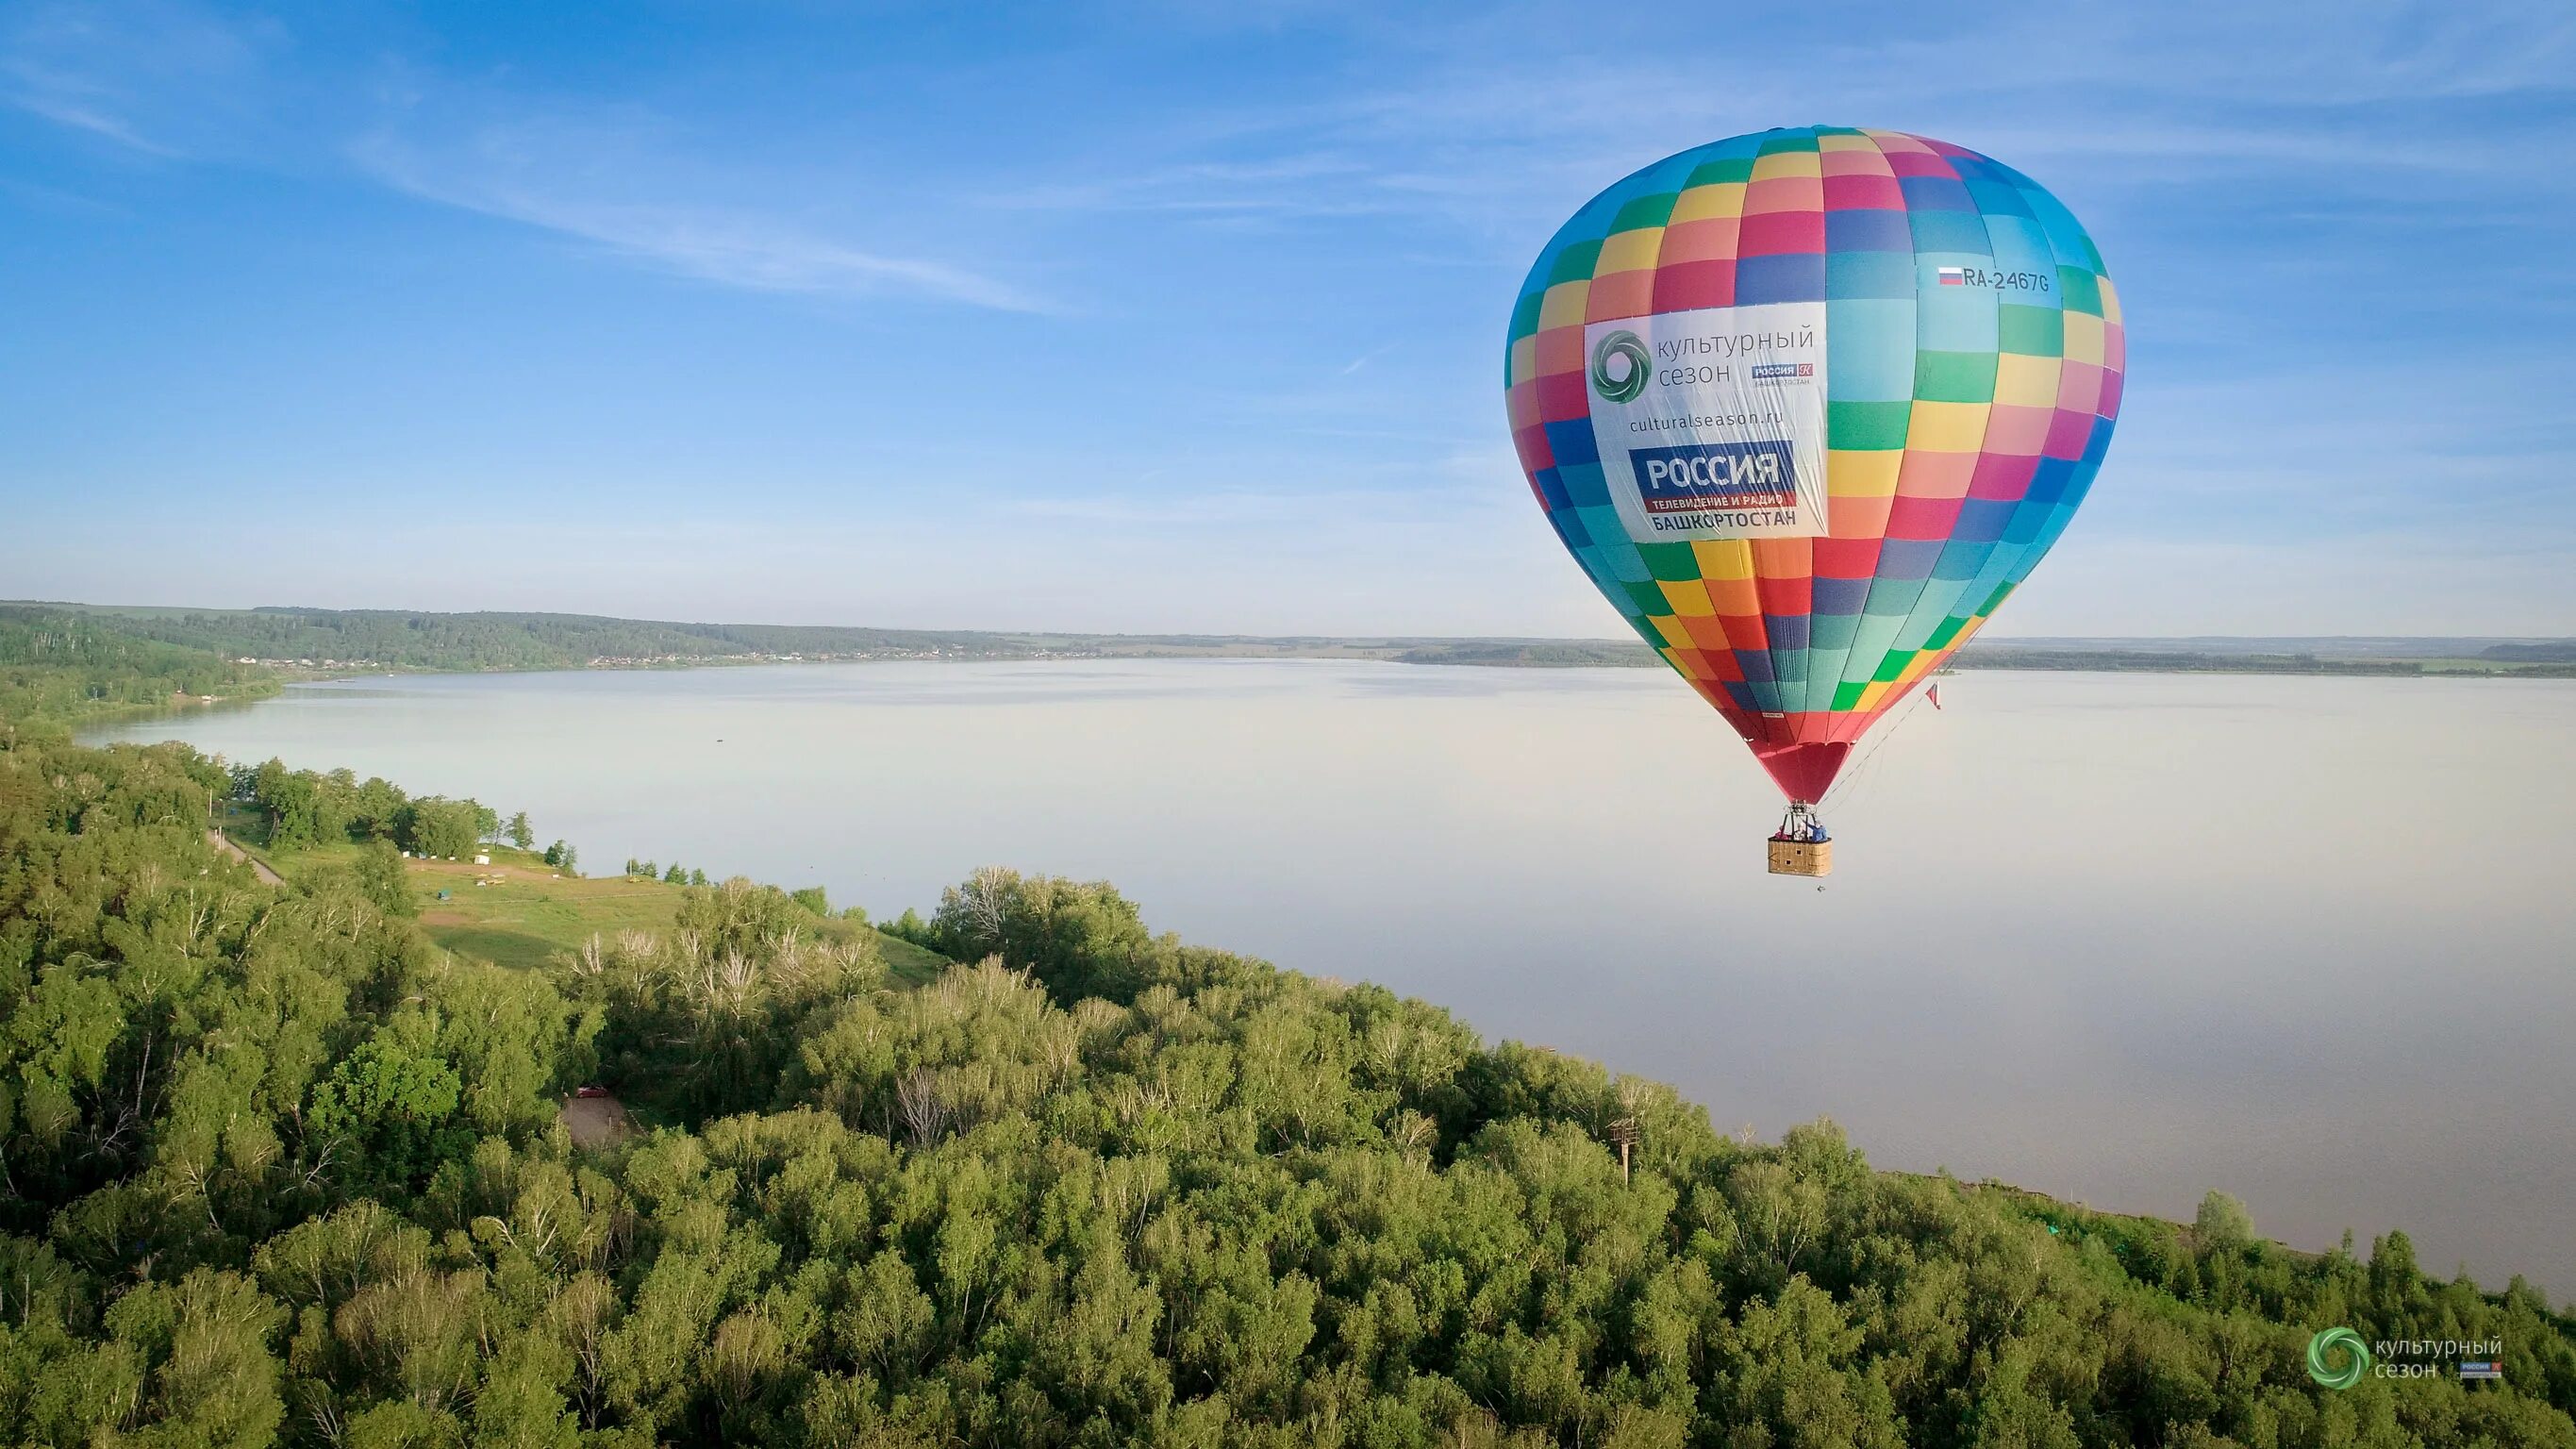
[2324, 646]
[2554, 651]
[67, 668]
[338, 640]
[411, 639]
[1532, 654]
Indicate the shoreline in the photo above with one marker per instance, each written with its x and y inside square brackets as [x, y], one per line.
[1999, 659]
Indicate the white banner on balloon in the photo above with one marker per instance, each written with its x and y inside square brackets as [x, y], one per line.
[1711, 422]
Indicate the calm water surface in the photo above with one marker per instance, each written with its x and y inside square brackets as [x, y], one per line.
[2119, 937]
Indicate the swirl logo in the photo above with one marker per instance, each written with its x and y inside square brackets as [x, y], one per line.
[1619, 367]
[2337, 1358]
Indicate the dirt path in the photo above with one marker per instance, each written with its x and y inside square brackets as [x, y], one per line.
[594, 1121]
[219, 841]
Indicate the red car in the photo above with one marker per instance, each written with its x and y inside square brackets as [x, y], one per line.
[593, 1091]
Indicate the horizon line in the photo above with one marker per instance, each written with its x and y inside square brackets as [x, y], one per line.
[1376, 636]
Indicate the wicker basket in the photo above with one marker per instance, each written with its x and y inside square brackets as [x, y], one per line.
[1802, 857]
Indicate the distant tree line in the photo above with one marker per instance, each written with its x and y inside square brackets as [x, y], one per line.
[300, 809]
[672, 874]
[1568, 654]
[405, 639]
[499, 641]
[59, 670]
[2552, 651]
[2160, 661]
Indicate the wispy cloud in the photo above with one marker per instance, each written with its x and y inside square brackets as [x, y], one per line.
[171, 80]
[52, 96]
[144, 74]
[514, 172]
[2333, 55]
[1305, 185]
[2335, 96]
[1365, 358]
[2331, 220]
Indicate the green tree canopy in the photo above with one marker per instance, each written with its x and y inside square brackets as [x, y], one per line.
[280, 1171]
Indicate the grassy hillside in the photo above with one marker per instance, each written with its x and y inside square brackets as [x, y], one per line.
[518, 911]
[523, 914]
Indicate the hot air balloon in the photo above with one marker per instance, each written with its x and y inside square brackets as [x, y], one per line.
[1807, 406]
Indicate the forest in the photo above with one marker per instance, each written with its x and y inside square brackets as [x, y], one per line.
[339, 641]
[335, 640]
[276, 1169]
[411, 639]
[62, 666]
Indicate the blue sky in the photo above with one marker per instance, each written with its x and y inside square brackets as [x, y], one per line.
[1176, 317]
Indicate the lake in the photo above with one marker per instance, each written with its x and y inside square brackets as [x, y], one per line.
[2116, 937]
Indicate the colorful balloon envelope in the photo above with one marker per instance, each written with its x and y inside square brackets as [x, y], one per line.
[1808, 406]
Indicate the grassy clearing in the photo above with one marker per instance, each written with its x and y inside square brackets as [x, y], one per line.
[519, 911]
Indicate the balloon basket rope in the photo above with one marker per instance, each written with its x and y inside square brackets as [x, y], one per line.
[1801, 846]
